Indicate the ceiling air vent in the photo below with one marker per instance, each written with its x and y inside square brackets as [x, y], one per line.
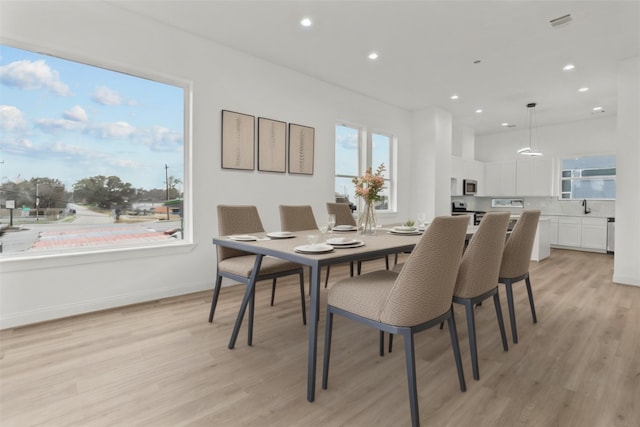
[561, 21]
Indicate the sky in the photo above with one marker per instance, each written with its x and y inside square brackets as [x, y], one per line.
[68, 121]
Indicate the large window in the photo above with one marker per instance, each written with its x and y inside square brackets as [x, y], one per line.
[592, 177]
[358, 149]
[89, 157]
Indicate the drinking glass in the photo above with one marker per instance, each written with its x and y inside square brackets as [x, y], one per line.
[331, 221]
[314, 239]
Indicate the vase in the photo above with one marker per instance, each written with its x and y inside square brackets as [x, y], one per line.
[367, 219]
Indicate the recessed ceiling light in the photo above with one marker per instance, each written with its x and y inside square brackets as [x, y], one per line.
[373, 55]
[479, 110]
[507, 125]
[597, 109]
[454, 97]
[306, 22]
[583, 89]
[568, 67]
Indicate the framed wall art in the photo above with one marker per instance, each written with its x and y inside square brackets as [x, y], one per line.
[238, 136]
[301, 142]
[272, 145]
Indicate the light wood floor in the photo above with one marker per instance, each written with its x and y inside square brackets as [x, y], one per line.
[163, 364]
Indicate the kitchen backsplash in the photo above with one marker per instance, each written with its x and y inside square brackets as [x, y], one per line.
[547, 205]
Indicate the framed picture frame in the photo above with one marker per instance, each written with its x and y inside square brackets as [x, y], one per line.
[272, 145]
[238, 136]
[301, 144]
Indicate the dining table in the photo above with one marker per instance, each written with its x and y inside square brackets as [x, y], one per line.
[386, 241]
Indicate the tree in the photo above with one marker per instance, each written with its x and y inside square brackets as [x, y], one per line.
[49, 191]
[174, 193]
[105, 191]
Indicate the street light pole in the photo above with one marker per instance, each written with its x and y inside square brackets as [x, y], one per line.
[37, 202]
[166, 180]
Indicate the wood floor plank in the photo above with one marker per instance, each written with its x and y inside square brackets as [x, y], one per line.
[162, 364]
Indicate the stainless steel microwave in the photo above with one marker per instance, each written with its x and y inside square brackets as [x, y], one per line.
[469, 187]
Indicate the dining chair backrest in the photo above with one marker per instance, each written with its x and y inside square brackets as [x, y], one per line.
[343, 214]
[480, 265]
[424, 288]
[517, 250]
[238, 219]
[297, 218]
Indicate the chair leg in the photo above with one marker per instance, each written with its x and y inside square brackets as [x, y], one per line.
[512, 311]
[390, 343]
[533, 307]
[351, 268]
[381, 352]
[359, 267]
[252, 305]
[411, 378]
[214, 301]
[302, 300]
[273, 291]
[327, 349]
[386, 261]
[326, 280]
[473, 345]
[453, 333]
[503, 335]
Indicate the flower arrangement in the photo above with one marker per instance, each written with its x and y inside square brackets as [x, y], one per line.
[369, 185]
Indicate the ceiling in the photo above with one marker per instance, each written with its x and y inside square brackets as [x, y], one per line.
[428, 50]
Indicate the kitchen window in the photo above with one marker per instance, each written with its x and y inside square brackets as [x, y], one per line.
[588, 177]
[358, 149]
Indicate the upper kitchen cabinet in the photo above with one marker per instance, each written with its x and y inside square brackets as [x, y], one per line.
[535, 177]
[462, 169]
[499, 179]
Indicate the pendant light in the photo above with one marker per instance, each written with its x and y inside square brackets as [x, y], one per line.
[530, 150]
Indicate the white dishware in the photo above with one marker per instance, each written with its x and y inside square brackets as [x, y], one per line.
[314, 239]
[344, 228]
[404, 228]
[341, 241]
[319, 248]
[243, 238]
[280, 234]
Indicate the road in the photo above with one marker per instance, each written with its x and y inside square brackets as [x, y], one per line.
[94, 228]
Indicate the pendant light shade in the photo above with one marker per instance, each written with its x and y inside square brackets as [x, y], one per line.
[531, 149]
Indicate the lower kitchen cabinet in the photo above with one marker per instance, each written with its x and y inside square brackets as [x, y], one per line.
[579, 233]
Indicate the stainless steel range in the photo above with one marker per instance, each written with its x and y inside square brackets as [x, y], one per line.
[460, 208]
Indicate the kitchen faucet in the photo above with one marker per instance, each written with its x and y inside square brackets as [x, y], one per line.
[586, 209]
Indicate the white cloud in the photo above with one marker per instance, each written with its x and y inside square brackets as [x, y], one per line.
[121, 130]
[77, 114]
[30, 75]
[53, 125]
[11, 118]
[160, 138]
[106, 96]
[19, 146]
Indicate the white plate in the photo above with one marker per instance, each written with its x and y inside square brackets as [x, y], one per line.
[280, 234]
[243, 238]
[344, 228]
[404, 229]
[320, 248]
[339, 241]
[408, 233]
[356, 244]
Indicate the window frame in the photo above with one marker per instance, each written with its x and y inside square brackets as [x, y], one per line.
[90, 254]
[365, 158]
[562, 179]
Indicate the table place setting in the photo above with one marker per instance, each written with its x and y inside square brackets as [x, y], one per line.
[280, 235]
[314, 246]
[343, 228]
[243, 238]
[406, 229]
[344, 242]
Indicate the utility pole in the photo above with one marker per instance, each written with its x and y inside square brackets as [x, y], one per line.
[37, 201]
[166, 180]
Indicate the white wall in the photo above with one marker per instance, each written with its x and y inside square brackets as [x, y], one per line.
[627, 267]
[595, 136]
[40, 289]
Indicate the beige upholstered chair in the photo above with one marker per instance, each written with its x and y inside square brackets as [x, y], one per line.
[238, 265]
[478, 276]
[408, 302]
[515, 262]
[297, 218]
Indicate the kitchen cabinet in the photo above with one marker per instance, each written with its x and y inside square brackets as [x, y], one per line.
[587, 233]
[594, 233]
[500, 178]
[535, 177]
[570, 232]
[462, 169]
